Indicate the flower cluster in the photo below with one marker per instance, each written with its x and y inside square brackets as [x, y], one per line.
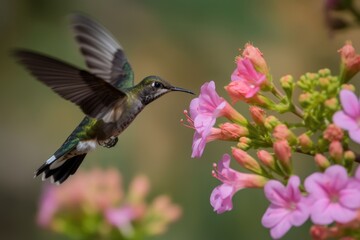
[93, 205]
[327, 118]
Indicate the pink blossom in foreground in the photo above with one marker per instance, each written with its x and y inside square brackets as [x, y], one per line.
[204, 111]
[233, 181]
[288, 207]
[48, 206]
[333, 196]
[121, 218]
[349, 118]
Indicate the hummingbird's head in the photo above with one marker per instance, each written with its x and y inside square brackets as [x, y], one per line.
[153, 87]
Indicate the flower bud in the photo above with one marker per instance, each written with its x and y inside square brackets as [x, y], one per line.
[258, 115]
[232, 131]
[350, 62]
[246, 161]
[321, 161]
[271, 122]
[336, 151]
[256, 57]
[266, 158]
[348, 87]
[349, 156]
[244, 143]
[282, 152]
[324, 82]
[320, 232]
[230, 113]
[305, 143]
[332, 104]
[305, 99]
[282, 132]
[287, 83]
[333, 133]
[324, 72]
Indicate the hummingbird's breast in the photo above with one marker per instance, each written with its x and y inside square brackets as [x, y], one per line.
[124, 117]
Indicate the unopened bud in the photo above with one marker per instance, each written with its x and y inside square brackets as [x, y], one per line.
[282, 152]
[232, 131]
[333, 133]
[336, 151]
[244, 143]
[287, 83]
[331, 104]
[266, 158]
[271, 122]
[321, 161]
[350, 62]
[349, 156]
[282, 132]
[256, 58]
[324, 82]
[258, 115]
[233, 115]
[305, 142]
[348, 87]
[305, 99]
[324, 72]
[246, 161]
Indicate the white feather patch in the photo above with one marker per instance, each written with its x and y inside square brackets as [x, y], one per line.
[51, 159]
[86, 146]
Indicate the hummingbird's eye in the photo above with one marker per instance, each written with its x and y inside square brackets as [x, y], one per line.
[157, 85]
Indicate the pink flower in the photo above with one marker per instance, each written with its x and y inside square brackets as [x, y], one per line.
[233, 181]
[349, 117]
[248, 81]
[204, 111]
[48, 206]
[333, 195]
[288, 207]
[121, 218]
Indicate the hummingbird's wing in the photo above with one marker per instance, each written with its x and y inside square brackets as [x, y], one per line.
[93, 95]
[103, 55]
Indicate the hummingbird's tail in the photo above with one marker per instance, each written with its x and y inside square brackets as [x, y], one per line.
[59, 173]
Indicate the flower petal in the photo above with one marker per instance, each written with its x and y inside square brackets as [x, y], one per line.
[350, 198]
[313, 185]
[344, 121]
[350, 103]
[355, 135]
[198, 145]
[275, 191]
[321, 212]
[280, 229]
[194, 108]
[273, 216]
[300, 215]
[341, 214]
[338, 177]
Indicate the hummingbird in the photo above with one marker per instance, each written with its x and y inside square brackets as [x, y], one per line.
[106, 94]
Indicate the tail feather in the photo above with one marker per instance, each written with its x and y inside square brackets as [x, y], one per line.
[60, 173]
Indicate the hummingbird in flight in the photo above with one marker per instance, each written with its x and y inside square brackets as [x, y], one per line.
[106, 94]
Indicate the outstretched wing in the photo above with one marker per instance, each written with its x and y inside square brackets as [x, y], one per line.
[103, 55]
[93, 95]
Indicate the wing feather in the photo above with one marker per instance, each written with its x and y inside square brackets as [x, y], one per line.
[104, 56]
[92, 94]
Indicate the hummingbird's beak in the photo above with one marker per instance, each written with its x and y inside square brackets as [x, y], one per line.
[181, 90]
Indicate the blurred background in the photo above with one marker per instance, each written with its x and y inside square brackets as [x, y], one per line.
[184, 41]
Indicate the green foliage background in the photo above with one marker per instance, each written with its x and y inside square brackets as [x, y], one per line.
[186, 42]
